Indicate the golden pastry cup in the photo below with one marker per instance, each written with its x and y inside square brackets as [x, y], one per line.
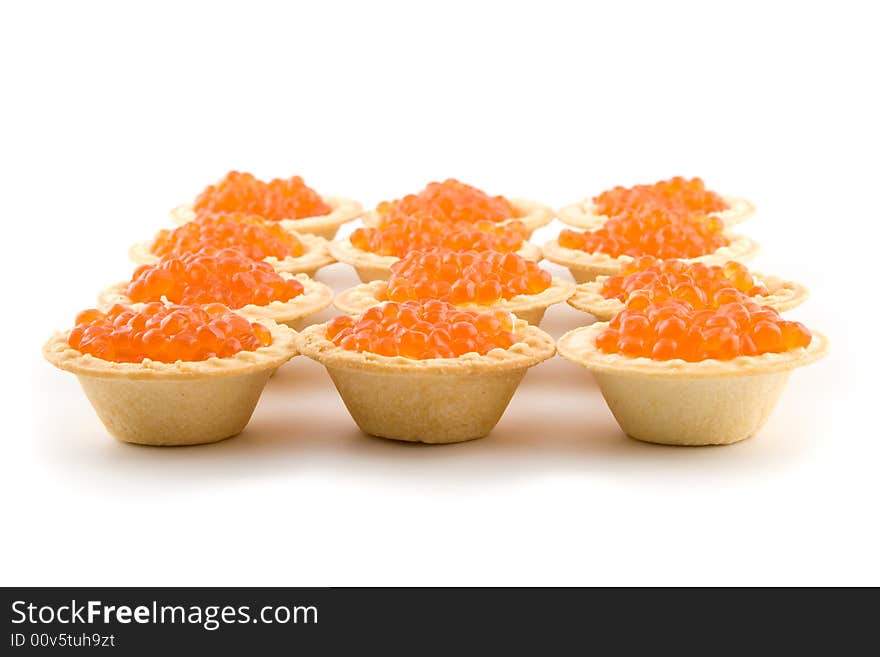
[528, 307]
[675, 402]
[316, 255]
[783, 295]
[440, 400]
[181, 403]
[585, 267]
[584, 215]
[531, 213]
[371, 266]
[342, 211]
[294, 313]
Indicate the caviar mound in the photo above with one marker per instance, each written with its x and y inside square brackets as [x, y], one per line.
[276, 200]
[423, 232]
[651, 230]
[165, 333]
[673, 329]
[226, 276]
[461, 277]
[450, 202]
[422, 330]
[687, 195]
[648, 280]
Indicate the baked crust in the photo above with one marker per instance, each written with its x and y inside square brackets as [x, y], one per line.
[530, 307]
[315, 297]
[784, 295]
[584, 215]
[283, 348]
[531, 213]
[342, 210]
[535, 346]
[579, 346]
[374, 267]
[585, 266]
[317, 255]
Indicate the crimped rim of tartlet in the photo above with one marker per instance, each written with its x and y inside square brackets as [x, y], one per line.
[534, 347]
[342, 210]
[531, 213]
[583, 214]
[579, 346]
[315, 297]
[284, 340]
[359, 298]
[784, 295]
[316, 255]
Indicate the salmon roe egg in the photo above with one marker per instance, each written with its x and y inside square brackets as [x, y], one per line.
[689, 195]
[651, 230]
[673, 329]
[242, 193]
[225, 276]
[451, 202]
[250, 234]
[461, 277]
[165, 333]
[422, 330]
[423, 231]
[647, 280]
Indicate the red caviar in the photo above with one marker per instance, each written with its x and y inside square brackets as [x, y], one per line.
[422, 330]
[672, 329]
[676, 193]
[450, 201]
[464, 277]
[653, 231]
[224, 276]
[165, 333]
[278, 199]
[422, 232]
[647, 280]
[250, 234]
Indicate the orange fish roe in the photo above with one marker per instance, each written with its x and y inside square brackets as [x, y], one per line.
[464, 277]
[423, 232]
[647, 280]
[672, 329]
[677, 193]
[422, 330]
[450, 201]
[278, 199]
[224, 276]
[165, 333]
[652, 231]
[250, 234]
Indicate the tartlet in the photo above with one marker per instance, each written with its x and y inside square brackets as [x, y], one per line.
[678, 402]
[334, 210]
[175, 403]
[429, 400]
[588, 213]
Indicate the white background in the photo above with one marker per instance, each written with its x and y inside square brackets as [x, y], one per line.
[112, 114]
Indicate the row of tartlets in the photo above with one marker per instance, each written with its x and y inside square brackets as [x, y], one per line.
[437, 338]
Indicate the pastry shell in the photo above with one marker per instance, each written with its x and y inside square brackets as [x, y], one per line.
[583, 214]
[585, 267]
[375, 267]
[182, 403]
[441, 400]
[294, 313]
[783, 295]
[317, 255]
[675, 402]
[342, 210]
[529, 307]
[531, 213]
